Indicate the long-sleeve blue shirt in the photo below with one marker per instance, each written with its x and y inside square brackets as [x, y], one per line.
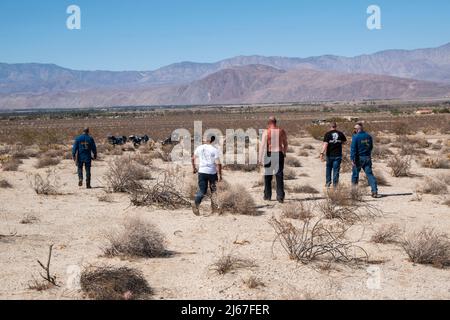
[84, 147]
[362, 145]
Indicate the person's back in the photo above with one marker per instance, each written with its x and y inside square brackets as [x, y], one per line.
[83, 151]
[361, 152]
[85, 147]
[207, 155]
[362, 145]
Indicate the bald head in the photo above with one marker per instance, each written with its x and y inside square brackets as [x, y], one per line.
[359, 127]
[272, 120]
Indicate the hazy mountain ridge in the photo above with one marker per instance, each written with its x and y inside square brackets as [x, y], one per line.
[238, 79]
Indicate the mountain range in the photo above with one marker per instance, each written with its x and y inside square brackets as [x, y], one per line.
[392, 74]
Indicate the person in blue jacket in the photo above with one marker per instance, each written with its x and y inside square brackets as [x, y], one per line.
[361, 157]
[83, 151]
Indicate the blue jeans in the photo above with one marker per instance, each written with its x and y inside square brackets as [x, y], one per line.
[203, 181]
[364, 163]
[333, 166]
[87, 166]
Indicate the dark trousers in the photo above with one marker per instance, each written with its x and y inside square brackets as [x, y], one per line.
[274, 165]
[364, 163]
[205, 180]
[87, 166]
[333, 169]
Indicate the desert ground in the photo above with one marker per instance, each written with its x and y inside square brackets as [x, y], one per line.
[79, 222]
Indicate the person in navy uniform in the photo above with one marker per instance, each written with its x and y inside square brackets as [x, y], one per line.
[84, 151]
[361, 156]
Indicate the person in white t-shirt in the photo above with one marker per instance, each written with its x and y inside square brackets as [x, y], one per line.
[209, 172]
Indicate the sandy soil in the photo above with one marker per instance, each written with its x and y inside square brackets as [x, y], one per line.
[75, 224]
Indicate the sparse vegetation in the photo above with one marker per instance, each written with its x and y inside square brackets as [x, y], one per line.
[137, 238]
[166, 193]
[435, 163]
[427, 247]
[289, 174]
[386, 234]
[315, 241]
[293, 162]
[432, 186]
[114, 283]
[125, 175]
[12, 164]
[45, 161]
[306, 188]
[400, 166]
[253, 282]
[229, 262]
[236, 200]
[298, 210]
[29, 219]
[4, 184]
[45, 186]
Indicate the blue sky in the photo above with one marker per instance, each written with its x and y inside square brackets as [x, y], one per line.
[147, 34]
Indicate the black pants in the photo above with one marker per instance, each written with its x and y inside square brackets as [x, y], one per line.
[274, 165]
[203, 181]
[87, 166]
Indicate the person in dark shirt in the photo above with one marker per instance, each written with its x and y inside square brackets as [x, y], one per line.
[83, 151]
[361, 156]
[332, 149]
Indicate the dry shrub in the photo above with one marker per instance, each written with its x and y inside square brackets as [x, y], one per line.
[308, 147]
[304, 189]
[29, 219]
[290, 149]
[242, 167]
[114, 283]
[45, 161]
[346, 164]
[445, 178]
[436, 146]
[446, 202]
[289, 174]
[47, 185]
[314, 241]
[228, 262]
[293, 162]
[383, 140]
[4, 184]
[381, 179]
[432, 186]
[105, 197]
[410, 150]
[413, 142]
[386, 234]
[317, 132]
[124, 175]
[435, 163]
[302, 153]
[298, 210]
[347, 205]
[137, 238]
[400, 166]
[381, 152]
[235, 200]
[427, 247]
[296, 142]
[11, 164]
[253, 282]
[166, 193]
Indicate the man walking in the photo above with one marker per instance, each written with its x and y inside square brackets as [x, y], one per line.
[274, 146]
[209, 172]
[83, 151]
[361, 157]
[332, 149]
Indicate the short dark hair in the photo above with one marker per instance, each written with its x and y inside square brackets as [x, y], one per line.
[334, 125]
[86, 130]
[212, 138]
